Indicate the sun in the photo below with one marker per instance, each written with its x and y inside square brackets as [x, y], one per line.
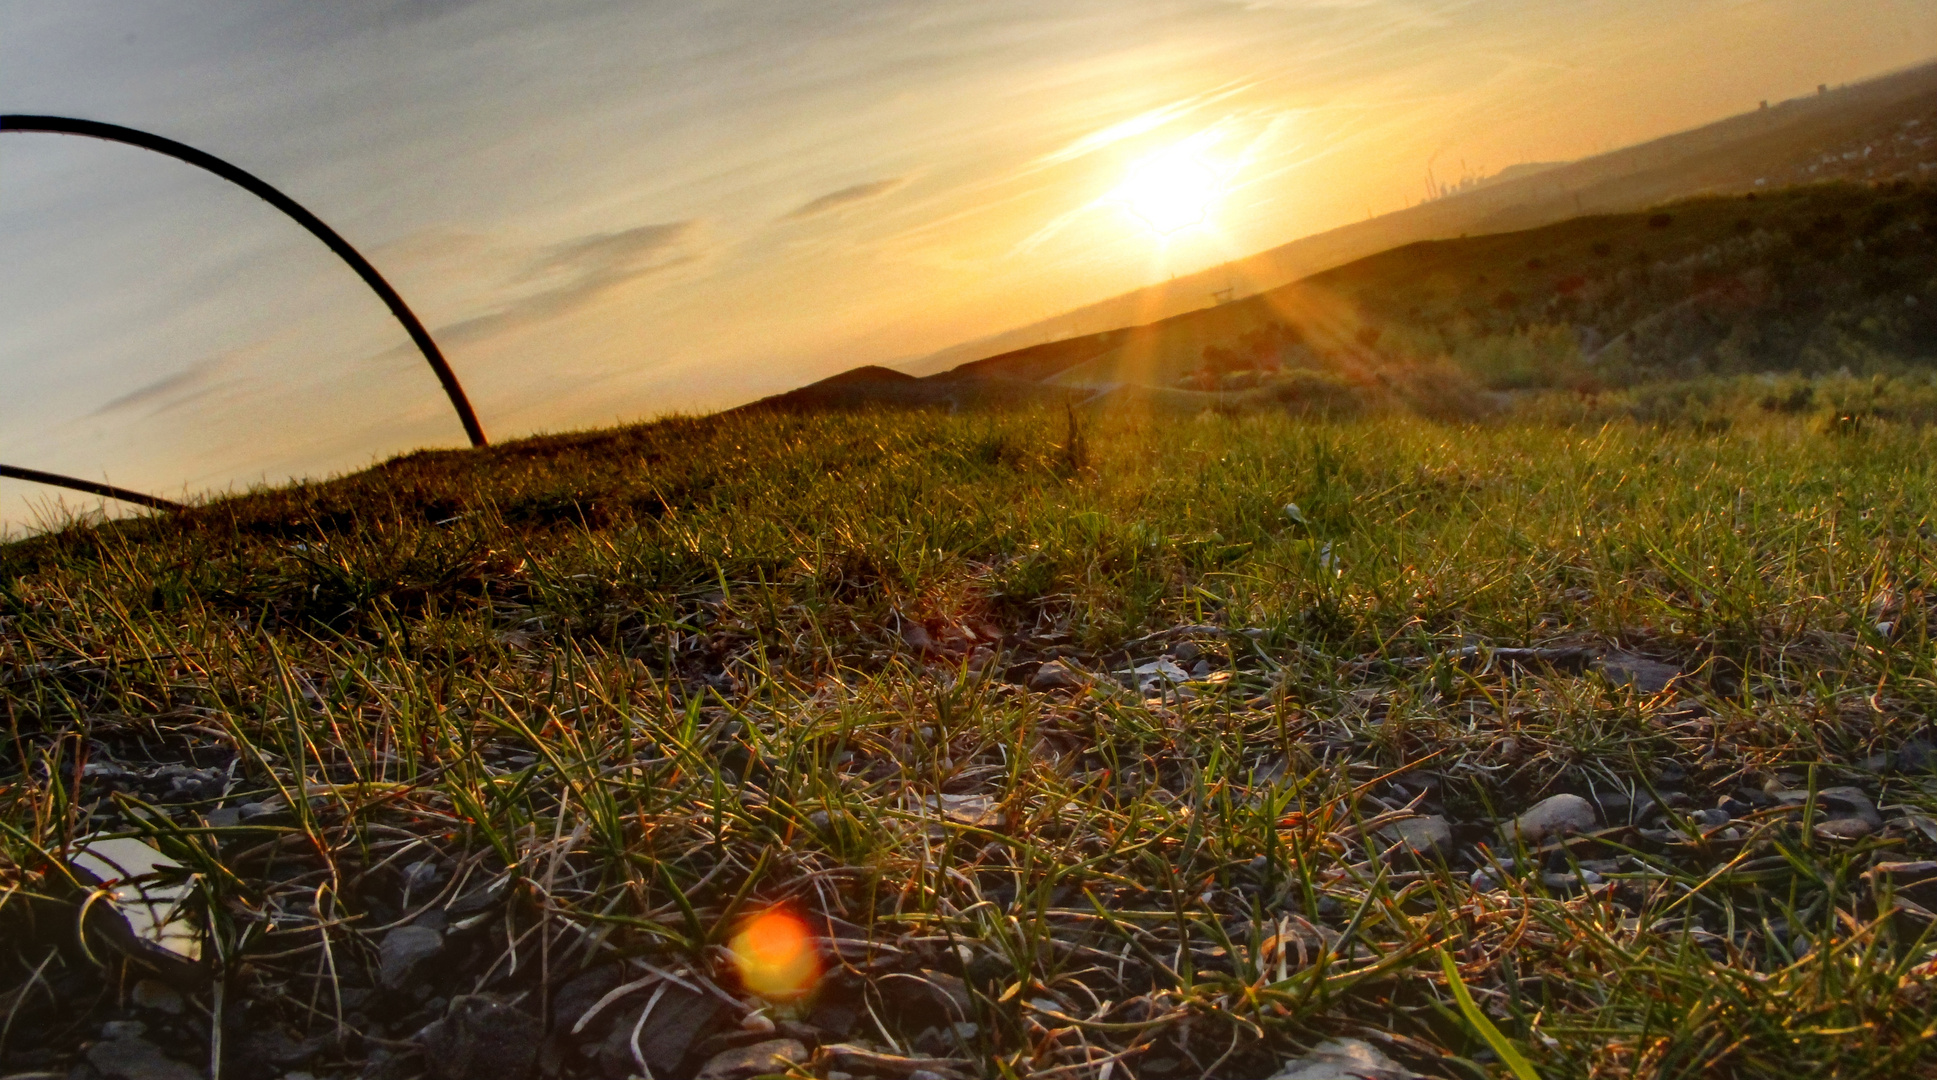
[1171, 190]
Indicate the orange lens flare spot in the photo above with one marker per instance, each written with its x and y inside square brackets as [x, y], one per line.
[775, 956]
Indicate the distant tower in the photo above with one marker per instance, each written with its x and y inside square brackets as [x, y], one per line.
[1822, 88]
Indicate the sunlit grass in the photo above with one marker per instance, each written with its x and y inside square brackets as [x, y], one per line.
[628, 691]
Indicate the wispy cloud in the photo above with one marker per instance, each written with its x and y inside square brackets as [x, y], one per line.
[583, 271]
[1138, 125]
[173, 391]
[849, 196]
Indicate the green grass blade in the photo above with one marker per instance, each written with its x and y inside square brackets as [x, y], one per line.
[1501, 1045]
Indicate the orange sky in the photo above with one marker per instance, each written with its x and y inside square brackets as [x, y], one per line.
[615, 210]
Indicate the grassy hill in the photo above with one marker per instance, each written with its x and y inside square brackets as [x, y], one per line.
[1127, 742]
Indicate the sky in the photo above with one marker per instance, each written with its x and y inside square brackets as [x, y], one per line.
[607, 211]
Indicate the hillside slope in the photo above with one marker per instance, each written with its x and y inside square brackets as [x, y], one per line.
[1084, 734]
[1883, 129]
[1805, 280]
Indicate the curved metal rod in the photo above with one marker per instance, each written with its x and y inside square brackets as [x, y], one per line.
[63, 125]
[106, 490]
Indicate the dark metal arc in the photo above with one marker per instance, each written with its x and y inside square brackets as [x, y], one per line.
[63, 125]
[106, 490]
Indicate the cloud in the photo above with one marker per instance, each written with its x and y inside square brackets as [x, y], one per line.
[1135, 126]
[184, 386]
[848, 196]
[306, 23]
[581, 271]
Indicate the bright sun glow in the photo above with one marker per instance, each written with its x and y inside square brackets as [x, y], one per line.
[1171, 190]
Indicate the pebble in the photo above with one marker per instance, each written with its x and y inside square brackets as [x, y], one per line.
[1912, 881]
[135, 1058]
[1710, 819]
[1571, 881]
[157, 995]
[123, 1029]
[1852, 802]
[1838, 802]
[1645, 676]
[1422, 835]
[1843, 829]
[1054, 675]
[739, 1063]
[480, 1038]
[1557, 815]
[1344, 1059]
[1916, 755]
[403, 951]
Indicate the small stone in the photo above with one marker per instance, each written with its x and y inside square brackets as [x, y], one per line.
[403, 951]
[572, 1000]
[123, 1029]
[1843, 829]
[1852, 802]
[1344, 1059]
[1565, 881]
[1054, 675]
[1558, 815]
[916, 636]
[757, 1022]
[1709, 819]
[680, 1019]
[1916, 755]
[422, 874]
[1645, 676]
[772, 1056]
[1157, 676]
[1912, 881]
[1421, 835]
[135, 1058]
[157, 995]
[482, 1039]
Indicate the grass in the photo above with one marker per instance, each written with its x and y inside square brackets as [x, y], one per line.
[600, 698]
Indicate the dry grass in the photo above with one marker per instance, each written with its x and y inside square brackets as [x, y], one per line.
[583, 705]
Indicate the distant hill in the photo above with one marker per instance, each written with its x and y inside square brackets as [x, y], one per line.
[1884, 129]
[1808, 279]
[879, 386]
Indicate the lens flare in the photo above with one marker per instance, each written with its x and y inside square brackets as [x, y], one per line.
[775, 956]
